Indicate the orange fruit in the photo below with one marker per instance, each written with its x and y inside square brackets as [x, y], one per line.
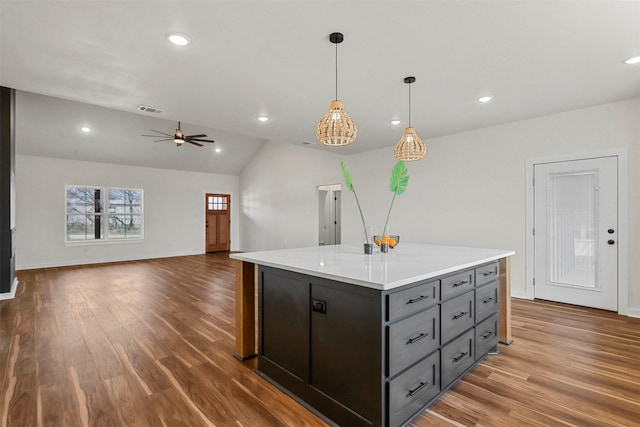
[392, 242]
[378, 241]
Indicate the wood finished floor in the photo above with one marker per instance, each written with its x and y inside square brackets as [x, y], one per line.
[150, 343]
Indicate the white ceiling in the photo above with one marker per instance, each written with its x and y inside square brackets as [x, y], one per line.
[251, 58]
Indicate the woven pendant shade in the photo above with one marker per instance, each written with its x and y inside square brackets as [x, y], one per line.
[410, 147]
[336, 127]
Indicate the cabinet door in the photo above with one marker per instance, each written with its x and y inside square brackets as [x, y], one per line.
[457, 316]
[284, 323]
[346, 360]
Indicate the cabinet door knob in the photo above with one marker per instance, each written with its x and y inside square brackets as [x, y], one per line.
[611, 241]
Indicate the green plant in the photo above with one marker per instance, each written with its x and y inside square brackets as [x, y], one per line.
[397, 185]
[347, 181]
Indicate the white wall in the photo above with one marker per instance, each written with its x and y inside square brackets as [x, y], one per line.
[469, 190]
[280, 197]
[174, 220]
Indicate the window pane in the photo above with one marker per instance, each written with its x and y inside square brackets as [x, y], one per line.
[81, 227]
[83, 200]
[124, 201]
[124, 226]
[573, 219]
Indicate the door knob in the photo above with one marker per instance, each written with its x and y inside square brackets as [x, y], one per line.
[611, 231]
[611, 241]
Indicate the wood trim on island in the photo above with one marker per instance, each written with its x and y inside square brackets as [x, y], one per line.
[245, 310]
[504, 310]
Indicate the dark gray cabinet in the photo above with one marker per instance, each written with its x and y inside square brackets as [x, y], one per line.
[364, 357]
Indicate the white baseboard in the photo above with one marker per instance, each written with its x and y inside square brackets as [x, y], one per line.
[101, 261]
[633, 312]
[519, 295]
[12, 293]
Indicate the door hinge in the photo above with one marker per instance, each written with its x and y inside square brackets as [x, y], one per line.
[534, 231]
[534, 281]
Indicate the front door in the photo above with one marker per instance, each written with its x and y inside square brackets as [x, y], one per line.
[576, 232]
[218, 222]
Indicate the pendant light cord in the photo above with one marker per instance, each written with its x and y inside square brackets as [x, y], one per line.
[409, 104]
[336, 71]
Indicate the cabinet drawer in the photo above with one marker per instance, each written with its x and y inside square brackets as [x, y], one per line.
[486, 273]
[457, 315]
[412, 339]
[486, 300]
[457, 284]
[486, 335]
[407, 301]
[409, 392]
[457, 357]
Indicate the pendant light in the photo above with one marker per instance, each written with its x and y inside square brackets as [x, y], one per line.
[410, 147]
[336, 127]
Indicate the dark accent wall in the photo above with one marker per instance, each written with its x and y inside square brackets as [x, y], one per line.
[7, 189]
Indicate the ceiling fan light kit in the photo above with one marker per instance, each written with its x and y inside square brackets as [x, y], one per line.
[410, 146]
[336, 127]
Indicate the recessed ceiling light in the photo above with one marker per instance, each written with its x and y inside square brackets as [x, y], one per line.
[179, 39]
[85, 129]
[395, 122]
[217, 150]
[263, 118]
[485, 98]
[634, 60]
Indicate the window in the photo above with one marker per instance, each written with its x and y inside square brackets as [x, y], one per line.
[218, 203]
[100, 214]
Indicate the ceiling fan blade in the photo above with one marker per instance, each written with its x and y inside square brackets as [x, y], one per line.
[164, 133]
[194, 143]
[201, 140]
[166, 139]
[196, 136]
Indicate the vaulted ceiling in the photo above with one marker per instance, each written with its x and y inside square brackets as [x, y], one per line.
[273, 58]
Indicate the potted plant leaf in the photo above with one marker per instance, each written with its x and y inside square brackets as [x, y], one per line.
[367, 236]
[397, 184]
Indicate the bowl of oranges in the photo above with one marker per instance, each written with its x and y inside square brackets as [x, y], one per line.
[389, 239]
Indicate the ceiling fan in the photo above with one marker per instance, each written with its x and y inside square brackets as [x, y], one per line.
[179, 138]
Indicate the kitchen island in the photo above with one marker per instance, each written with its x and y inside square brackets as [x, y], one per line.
[371, 339]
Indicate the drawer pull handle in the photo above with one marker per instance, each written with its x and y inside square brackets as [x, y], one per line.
[420, 298]
[459, 357]
[459, 315]
[486, 335]
[463, 282]
[418, 338]
[487, 273]
[417, 389]
[487, 300]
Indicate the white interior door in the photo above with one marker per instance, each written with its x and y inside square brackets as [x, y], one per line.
[576, 232]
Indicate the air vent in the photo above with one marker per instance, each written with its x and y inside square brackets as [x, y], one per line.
[148, 109]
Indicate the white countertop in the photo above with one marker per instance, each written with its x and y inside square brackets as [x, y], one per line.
[404, 264]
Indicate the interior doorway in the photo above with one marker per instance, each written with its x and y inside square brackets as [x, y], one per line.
[217, 222]
[577, 235]
[329, 214]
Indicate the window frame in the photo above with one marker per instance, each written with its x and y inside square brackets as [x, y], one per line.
[105, 216]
